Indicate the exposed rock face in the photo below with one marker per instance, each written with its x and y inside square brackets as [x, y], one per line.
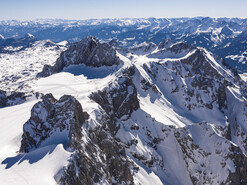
[238, 177]
[206, 75]
[100, 160]
[15, 98]
[205, 82]
[200, 64]
[222, 97]
[226, 31]
[165, 44]
[168, 49]
[230, 158]
[144, 48]
[113, 43]
[120, 98]
[179, 47]
[88, 51]
[51, 117]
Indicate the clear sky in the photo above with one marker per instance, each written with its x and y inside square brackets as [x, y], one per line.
[86, 9]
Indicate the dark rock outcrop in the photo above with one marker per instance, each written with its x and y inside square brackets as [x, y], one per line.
[179, 47]
[240, 161]
[222, 97]
[200, 64]
[120, 98]
[15, 98]
[88, 51]
[101, 161]
[194, 150]
[50, 117]
[165, 44]
[144, 48]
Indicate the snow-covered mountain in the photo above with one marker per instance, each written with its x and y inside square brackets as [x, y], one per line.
[225, 37]
[93, 112]
[20, 61]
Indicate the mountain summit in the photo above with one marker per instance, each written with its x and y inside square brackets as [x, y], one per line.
[88, 51]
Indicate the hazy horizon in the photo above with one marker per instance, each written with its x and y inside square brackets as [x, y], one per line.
[36, 19]
[101, 9]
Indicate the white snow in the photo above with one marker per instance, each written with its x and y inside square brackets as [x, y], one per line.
[159, 114]
[19, 68]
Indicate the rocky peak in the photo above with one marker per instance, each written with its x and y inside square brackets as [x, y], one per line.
[120, 98]
[165, 44]
[113, 43]
[168, 49]
[85, 46]
[179, 47]
[88, 51]
[29, 39]
[143, 48]
[226, 31]
[53, 117]
[49, 43]
[29, 36]
[199, 63]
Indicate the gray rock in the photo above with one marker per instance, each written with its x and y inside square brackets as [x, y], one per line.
[88, 51]
[202, 172]
[51, 116]
[165, 44]
[101, 161]
[120, 98]
[10, 98]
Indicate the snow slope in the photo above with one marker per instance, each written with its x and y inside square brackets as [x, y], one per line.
[186, 130]
[20, 67]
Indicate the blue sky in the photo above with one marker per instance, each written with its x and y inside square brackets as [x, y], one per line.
[82, 9]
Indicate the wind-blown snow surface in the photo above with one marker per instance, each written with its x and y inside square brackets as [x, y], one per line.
[173, 138]
[17, 68]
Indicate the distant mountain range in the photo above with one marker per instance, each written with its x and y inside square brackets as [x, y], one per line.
[226, 37]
